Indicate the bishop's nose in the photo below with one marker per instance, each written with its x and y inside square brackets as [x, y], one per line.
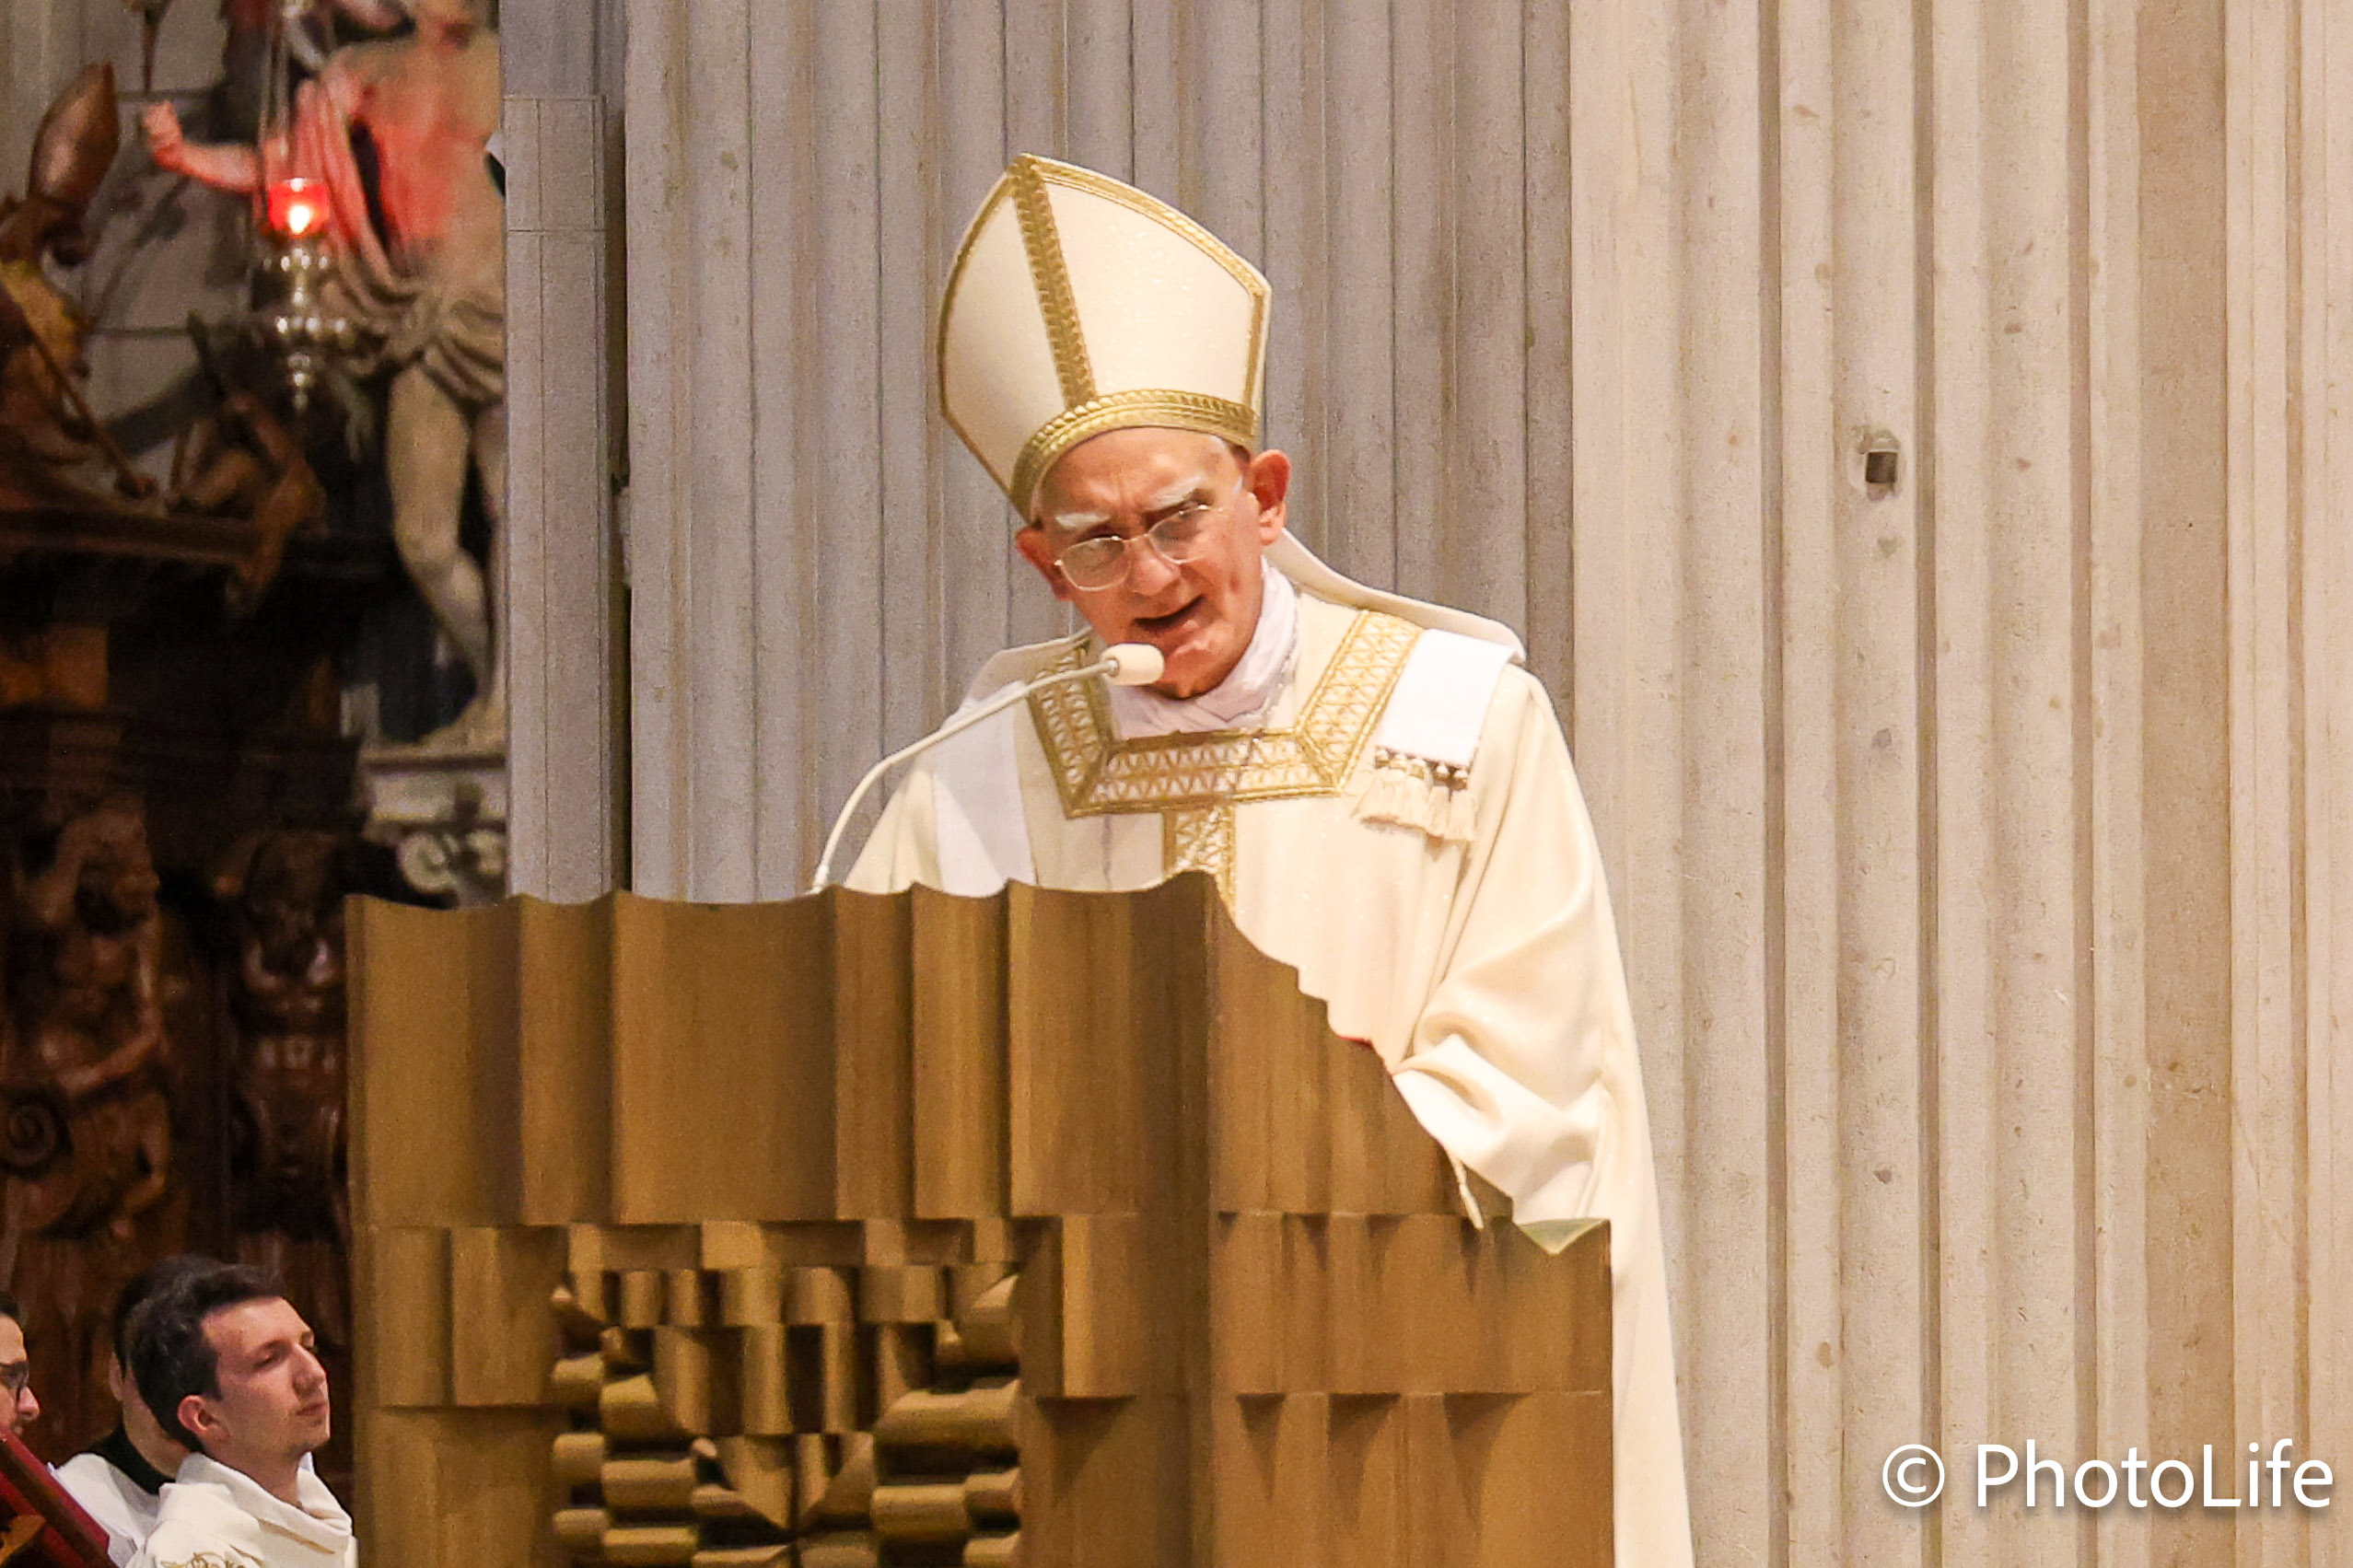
[1149, 572]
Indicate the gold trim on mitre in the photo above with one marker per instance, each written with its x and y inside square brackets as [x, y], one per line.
[1119, 411]
[1161, 355]
[1057, 303]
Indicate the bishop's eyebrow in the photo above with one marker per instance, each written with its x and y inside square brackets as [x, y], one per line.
[1183, 492]
[1194, 487]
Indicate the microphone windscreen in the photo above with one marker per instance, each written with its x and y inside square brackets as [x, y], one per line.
[1133, 664]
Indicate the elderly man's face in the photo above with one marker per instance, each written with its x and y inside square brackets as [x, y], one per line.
[1200, 613]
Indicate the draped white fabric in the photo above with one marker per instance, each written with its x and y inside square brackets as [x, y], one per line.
[213, 1517]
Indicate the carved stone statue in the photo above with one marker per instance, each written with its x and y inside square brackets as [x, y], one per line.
[47, 430]
[87, 1141]
[72, 151]
[429, 291]
[245, 461]
[285, 890]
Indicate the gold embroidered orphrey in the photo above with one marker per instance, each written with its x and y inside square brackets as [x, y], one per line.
[1196, 781]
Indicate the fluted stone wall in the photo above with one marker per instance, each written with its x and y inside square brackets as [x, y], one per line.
[563, 615]
[1982, 841]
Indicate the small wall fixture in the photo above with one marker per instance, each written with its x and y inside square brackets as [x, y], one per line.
[1883, 461]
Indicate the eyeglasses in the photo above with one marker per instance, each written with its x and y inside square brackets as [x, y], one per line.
[1101, 562]
[16, 1376]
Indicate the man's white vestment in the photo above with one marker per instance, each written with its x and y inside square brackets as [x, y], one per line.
[1386, 801]
[124, 1508]
[213, 1517]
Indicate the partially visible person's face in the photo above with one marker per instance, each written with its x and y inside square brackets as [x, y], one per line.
[18, 1408]
[272, 1407]
[1200, 613]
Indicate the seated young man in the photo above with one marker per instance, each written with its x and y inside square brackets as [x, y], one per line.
[119, 1480]
[226, 1364]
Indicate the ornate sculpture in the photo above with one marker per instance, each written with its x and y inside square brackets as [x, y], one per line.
[87, 1144]
[245, 461]
[286, 998]
[46, 427]
[428, 292]
[72, 151]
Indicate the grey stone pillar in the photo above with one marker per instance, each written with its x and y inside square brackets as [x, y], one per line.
[561, 612]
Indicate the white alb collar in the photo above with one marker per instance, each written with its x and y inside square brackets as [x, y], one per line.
[1242, 699]
[320, 1523]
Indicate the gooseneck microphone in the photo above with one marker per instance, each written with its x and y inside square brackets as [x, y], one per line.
[1123, 664]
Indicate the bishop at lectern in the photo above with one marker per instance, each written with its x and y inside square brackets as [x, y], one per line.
[1381, 791]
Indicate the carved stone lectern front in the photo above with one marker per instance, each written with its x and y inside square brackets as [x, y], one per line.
[1054, 1228]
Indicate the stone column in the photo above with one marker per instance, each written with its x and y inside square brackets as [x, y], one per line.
[561, 609]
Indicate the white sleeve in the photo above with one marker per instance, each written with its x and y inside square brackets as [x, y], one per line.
[1522, 1065]
[955, 822]
[1522, 1060]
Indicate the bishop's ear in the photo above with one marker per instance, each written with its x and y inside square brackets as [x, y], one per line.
[1269, 478]
[1033, 544]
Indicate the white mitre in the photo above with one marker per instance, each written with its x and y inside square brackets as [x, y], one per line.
[1078, 305]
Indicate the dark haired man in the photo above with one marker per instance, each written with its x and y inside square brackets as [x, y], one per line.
[227, 1364]
[119, 1480]
[18, 1408]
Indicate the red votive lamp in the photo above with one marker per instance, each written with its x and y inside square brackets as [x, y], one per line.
[298, 206]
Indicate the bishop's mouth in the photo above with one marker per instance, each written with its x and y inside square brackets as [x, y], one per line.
[1158, 625]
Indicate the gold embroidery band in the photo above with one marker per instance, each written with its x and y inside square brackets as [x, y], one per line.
[1121, 410]
[1056, 301]
[1096, 774]
[1200, 839]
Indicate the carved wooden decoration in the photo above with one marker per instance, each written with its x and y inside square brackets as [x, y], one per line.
[86, 1086]
[843, 1391]
[1052, 1229]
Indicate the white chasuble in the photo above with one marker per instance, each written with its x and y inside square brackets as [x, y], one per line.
[213, 1517]
[1402, 826]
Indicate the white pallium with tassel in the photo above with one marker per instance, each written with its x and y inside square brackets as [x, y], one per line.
[1423, 752]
